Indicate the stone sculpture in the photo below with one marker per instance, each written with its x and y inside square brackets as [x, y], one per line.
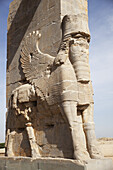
[60, 84]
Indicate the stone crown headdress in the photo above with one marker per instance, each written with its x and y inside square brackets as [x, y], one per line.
[75, 24]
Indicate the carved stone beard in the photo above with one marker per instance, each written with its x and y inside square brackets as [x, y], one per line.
[79, 57]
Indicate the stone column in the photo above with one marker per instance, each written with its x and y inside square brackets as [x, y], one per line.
[25, 17]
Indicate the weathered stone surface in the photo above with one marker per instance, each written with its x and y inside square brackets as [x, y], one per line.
[104, 164]
[50, 164]
[25, 17]
[73, 7]
[49, 89]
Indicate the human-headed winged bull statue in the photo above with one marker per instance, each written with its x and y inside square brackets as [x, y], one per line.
[63, 82]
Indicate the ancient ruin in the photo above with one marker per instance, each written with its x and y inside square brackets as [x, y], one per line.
[49, 89]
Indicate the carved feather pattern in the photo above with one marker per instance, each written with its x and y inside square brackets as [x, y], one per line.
[33, 61]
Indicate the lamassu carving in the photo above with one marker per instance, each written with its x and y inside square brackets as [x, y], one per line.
[63, 82]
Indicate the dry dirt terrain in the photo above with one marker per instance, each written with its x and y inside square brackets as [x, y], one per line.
[106, 146]
[2, 152]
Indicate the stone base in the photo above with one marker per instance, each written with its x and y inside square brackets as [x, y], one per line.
[22, 163]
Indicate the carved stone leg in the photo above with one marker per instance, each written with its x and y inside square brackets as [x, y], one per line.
[69, 111]
[10, 138]
[89, 129]
[34, 146]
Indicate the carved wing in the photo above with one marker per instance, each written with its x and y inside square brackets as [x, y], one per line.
[35, 64]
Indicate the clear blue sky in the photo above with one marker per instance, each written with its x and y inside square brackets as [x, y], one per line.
[101, 63]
